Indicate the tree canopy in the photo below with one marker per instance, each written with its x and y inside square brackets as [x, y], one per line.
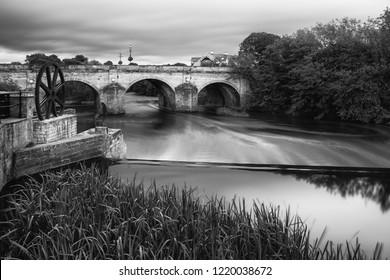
[339, 70]
[38, 59]
[94, 62]
[256, 43]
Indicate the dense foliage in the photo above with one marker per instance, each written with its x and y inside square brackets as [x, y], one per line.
[83, 214]
[338, 70]
[38, 59]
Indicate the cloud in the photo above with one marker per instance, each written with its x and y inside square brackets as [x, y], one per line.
[159, 31]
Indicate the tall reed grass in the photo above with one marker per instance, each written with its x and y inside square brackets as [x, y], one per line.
[83, 214]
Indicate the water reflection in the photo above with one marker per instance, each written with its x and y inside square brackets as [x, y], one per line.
[344, 217]
[375, 188]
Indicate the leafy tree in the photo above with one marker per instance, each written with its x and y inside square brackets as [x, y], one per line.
[77, 60]
[357, 96]
[256, 72]
[54, 58]
[70, 61]
[303, 80]
[16, 63]
[383, 24]
[270, 72]
[179, 64]
[256, 43]
[379, 36]
[81, 58]
[94, 62]
[336, 70]
[351, 56]
[38, 59]
[108, 62]
[338, 30]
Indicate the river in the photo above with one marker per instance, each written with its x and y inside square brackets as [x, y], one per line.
[332, 175]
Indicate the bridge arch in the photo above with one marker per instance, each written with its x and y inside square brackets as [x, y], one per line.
[220, 93]
[85, 98]
[95, 91]
[167, 97]
[86, 82]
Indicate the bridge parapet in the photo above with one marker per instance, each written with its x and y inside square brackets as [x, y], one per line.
[126, 68]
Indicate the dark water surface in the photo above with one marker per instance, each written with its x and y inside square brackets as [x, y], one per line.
[247, 158]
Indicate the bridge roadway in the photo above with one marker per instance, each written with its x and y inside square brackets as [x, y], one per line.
[181, 88]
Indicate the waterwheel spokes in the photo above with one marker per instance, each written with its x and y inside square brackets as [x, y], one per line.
[59, 100]
[59, 87]
[48, 77]
[44, 87]
[44, 100]
[50, 97]
[59, 97]
[55, 76]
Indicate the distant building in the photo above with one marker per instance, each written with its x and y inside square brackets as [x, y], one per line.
[214, 60]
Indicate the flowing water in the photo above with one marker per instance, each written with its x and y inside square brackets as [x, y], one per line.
[332, 175]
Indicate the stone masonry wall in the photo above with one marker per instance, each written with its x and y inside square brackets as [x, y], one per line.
[115, 146]
[89, 144]
[51, 155]
[184, 93]
[13, 136]
[54, 129]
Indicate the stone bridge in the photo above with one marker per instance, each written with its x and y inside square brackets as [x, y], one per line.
[181, 88]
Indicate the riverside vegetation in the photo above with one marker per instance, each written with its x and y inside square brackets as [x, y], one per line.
[86, 214]
[334, 71]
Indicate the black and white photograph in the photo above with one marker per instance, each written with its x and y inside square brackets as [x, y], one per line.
[173, 130]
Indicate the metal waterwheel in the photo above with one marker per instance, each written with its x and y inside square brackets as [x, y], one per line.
[50, 91]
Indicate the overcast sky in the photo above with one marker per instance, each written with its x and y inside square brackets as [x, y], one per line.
[160, 31]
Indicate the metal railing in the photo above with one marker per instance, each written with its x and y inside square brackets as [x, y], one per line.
[5, 103]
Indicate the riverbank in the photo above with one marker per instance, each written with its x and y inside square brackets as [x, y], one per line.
[84, 214]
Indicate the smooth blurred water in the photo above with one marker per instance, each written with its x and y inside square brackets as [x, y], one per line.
[177, 148]
[155, 134]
